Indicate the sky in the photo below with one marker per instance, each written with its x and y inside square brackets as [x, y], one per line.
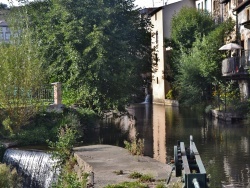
[139, 3]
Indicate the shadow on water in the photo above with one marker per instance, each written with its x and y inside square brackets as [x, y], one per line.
[224, 147]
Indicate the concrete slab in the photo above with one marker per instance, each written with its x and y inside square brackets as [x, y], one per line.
[105, 160]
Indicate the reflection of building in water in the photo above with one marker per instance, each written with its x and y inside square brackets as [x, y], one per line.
[244, 145]
[159, 133]
[143, 125]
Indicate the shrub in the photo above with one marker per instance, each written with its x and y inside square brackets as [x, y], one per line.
[9, 178]
[128, 185]
[136, 147]
[135, 175]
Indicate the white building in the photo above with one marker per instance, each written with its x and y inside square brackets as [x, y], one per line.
[161, 19]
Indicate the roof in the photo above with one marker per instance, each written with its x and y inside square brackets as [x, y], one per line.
[155, 10]
[241, 6]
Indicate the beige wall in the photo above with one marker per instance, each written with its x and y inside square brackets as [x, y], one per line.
[159, 133]
[161, 21]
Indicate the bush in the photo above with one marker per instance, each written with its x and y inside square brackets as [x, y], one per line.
[136, 147]
[9, 178]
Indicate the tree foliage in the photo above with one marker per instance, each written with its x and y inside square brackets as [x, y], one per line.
[98, 49]
[188, 24]
[21, 75]
[200, 68]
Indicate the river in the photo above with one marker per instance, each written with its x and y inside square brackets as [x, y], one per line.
[224, 147]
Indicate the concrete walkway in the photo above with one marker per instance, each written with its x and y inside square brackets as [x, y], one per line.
[105, 160]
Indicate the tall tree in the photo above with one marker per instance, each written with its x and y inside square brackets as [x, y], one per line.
[21, 74]
[200, 68]
[98, 49]
[187, 25]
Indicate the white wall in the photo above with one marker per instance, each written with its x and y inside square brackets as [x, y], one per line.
[162, 23]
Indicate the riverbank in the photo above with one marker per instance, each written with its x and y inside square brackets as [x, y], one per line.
[112, 165]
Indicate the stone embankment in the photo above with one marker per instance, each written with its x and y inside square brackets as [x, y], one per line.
[108, 164]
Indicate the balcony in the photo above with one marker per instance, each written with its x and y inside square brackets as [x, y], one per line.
[236, 67]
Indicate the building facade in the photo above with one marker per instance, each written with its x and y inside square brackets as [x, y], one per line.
[161, 20]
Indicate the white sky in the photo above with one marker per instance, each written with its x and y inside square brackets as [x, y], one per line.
[140, 3]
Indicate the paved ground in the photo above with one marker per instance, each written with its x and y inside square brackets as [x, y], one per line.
[105, 160]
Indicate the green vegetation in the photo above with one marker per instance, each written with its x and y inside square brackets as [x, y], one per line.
[195, 63]
[135, 147]
[135, 175]
[128, 185]
[62, 151]
[142, 177]
[144, 181]
[21, 75]
[97, 49]
[9, 178]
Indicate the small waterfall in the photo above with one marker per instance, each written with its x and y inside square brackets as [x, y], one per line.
[148, 99]
[36, 167]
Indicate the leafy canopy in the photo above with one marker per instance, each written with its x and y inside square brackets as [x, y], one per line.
[200, 68]
[21, 74]
[97, 49]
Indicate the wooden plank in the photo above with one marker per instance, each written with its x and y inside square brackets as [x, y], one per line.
[185, 164]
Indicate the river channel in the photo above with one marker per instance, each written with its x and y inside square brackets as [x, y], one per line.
[224, 147]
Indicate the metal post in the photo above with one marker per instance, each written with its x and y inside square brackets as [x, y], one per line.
[196, 183]
[191, 144]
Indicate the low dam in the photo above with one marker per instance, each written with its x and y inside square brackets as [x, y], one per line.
[36, 167]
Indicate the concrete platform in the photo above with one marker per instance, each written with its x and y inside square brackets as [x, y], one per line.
[105, 160]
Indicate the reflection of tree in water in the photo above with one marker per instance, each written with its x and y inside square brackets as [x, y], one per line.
[230, 152]
[224, 148]
[112, 131]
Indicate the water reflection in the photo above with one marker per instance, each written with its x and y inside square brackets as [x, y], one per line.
[224, 147]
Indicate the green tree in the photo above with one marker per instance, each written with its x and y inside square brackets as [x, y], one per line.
[186, 26]
[98, 49]
[200, 68]
[21, 74]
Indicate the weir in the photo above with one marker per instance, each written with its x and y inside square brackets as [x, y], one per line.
[36, 167]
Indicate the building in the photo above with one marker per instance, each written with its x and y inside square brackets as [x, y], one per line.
[237, 68]
[161, 20]
[4, 31]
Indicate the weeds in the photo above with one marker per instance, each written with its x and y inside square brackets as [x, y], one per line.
[135, 175]
[136, 147]
[9, 178]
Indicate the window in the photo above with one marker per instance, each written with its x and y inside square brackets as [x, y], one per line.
[156, 37]
[7, 36]
[248, 15]
[155, 16]
[205, 4]
[156, 58]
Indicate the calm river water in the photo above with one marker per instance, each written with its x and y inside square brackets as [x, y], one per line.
[224, 147]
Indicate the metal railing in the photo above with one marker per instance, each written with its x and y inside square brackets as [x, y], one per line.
[236, 64]
[43, 94]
